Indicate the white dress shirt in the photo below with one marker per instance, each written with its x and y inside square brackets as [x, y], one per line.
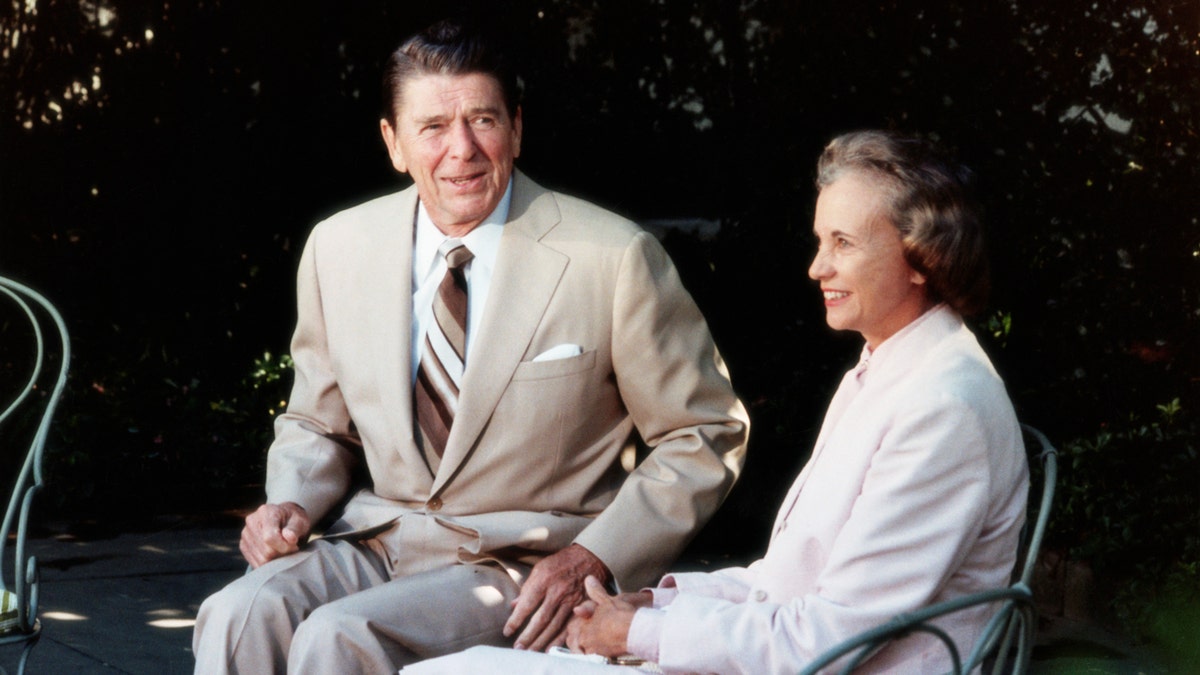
[429, 268]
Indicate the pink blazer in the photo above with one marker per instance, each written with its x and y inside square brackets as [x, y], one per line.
[915, 493]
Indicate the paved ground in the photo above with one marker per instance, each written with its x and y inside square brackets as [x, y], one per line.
[124, 602]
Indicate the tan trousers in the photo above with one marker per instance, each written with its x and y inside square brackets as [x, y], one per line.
[370, 606]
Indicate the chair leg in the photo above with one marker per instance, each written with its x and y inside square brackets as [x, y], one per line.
[25, 655]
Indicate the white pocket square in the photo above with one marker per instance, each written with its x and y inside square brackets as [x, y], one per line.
[563, 351]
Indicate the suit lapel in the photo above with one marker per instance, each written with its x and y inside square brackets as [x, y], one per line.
[526, 276]
[390, 321]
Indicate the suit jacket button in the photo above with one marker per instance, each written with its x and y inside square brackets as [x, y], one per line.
[760, 595]
[434, 504]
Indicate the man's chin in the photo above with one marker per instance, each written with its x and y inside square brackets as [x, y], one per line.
[470, 212]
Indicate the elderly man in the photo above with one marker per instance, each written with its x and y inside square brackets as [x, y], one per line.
[498, 358]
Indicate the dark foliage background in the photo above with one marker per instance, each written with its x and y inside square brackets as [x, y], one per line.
[161, 163]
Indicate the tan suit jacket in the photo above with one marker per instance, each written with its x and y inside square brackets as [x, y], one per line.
[541, 453]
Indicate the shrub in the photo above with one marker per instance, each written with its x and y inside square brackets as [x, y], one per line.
[1128, 507]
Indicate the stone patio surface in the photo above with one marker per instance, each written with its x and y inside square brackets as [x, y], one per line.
[124, 601]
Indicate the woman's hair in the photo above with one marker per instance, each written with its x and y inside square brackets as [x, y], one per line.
[928, 201]
[447, 48]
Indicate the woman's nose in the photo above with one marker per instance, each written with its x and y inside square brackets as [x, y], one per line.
[819, 269]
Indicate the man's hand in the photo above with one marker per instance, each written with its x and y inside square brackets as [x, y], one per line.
[274, 530]
[553, 589]
[601, 625]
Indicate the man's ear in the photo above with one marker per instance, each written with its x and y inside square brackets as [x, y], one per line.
[393, 146]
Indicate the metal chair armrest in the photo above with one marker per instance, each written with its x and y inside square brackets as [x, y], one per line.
[864, 645]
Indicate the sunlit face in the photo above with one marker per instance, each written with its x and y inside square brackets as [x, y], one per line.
[867, 284]
[453, 134]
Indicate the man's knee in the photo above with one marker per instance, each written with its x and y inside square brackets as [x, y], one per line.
[325, 627]
[247, 626]
[332, 639]
[262, 607]
[219, 625]
[249, 596]
[218, 614]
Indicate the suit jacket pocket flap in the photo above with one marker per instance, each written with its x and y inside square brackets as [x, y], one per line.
[542, 370]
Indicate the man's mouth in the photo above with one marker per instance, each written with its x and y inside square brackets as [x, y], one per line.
[463, 180]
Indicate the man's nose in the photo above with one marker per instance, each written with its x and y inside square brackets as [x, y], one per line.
[462, 141]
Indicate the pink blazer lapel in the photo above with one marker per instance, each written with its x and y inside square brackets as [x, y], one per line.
[842, 399]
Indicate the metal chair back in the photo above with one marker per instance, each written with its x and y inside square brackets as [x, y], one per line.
[34, 405]
[1006, 644]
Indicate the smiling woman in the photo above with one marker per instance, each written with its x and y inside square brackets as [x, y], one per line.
[923, 197]
[867, 284]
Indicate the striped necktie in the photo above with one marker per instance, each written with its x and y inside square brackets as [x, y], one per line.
[443, 355]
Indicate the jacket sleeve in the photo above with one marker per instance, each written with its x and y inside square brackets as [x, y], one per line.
[730, 583]
[310, 462]
[676, 388]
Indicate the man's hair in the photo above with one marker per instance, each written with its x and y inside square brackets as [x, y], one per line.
[928, 200]
[447, 48]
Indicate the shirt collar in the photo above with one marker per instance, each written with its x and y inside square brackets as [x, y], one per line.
[873, 358]
[483, 240]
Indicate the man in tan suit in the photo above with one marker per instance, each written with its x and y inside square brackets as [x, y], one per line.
[591, 425]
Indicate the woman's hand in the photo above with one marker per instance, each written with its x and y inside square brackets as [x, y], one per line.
[601, 624]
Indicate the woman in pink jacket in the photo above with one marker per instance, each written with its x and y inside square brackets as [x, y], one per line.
[915, 491]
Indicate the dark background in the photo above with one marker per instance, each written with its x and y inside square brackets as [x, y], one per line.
[162, 162]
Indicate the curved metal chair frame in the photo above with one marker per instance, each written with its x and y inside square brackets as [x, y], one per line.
[1009, 633]
[22, 579]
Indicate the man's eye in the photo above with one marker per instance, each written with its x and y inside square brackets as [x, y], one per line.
[486, 122]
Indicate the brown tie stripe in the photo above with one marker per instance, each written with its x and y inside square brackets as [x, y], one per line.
[442, 356]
